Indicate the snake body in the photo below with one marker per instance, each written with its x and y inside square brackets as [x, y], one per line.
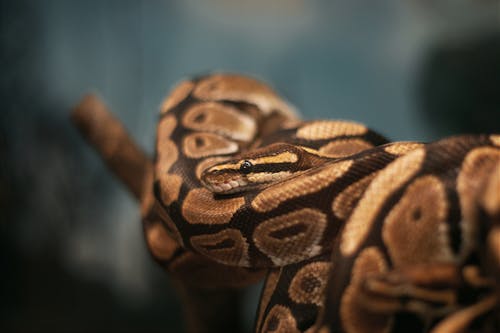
[343, 220]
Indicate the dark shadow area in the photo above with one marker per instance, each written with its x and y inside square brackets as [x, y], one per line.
[459, 87]
[50, 185]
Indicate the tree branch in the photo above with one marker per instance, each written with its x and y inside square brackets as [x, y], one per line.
[109, 138]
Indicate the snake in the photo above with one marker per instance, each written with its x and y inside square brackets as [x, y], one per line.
[355, 233]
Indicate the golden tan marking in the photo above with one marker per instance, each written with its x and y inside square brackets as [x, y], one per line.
[415, 230]
[476, 167]
[207, 163]
[198, 145]
[284, 157]
[200, 207]
[291, 237]
[308, 284]
[227, 247]
[491, 198]
[226, 166]
[344, 202]
[459, 321]
[280, 320]
[329, 129]
[167, 156]
[220, 119]
[474, 277]
[166, 148]
[239, 88]
[170, 186]
[312, 151]
[180, 92]
[169, 225]
[307, 183]
[161, 245]
[385, 183]
[269, 287]
[323, 329]
[290, 123]
[342, 148]
[495, 139]
[493, 244]
[402, 148]
[355, 318]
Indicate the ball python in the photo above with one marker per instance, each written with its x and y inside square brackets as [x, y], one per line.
[243, 185]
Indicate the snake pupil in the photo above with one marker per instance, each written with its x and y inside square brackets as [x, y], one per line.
[246, 167]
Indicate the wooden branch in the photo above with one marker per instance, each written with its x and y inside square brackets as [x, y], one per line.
[109, 138]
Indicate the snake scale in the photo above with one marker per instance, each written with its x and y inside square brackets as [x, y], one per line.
[356, 234]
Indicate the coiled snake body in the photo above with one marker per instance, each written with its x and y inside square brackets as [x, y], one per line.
[357, 234]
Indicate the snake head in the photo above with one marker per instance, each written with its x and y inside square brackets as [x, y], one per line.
[258, 168]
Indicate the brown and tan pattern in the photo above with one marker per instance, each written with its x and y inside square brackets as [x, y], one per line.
[176, 96]
[168, 152]
[173, 183]
[272, 197]
[478, 164]
[344, 203]
[220, 119]
[159, 242]
[291, 237]
[200, 207]
[473, 177]
[309, 283]
[280, 320]
[414, 228]
[269, 287]
[207, 163]
[460, 321]
[389, 179]
[402, 148]
[343, 148]
[198, 145]
[429, 240]
[355, 318]
[495, 139]
[490, 200]
[227, 246]
[326, 129]
[241, 89]
[493, 243]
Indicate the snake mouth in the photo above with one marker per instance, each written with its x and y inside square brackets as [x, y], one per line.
[228, 187]
[224, 185]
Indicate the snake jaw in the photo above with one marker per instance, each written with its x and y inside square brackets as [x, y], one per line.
[229, 187]
[236, 183]
[224, 182]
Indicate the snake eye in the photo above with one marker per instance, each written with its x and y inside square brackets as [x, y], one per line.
[246, 167]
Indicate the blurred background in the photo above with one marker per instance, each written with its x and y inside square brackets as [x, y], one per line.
[72, 252]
